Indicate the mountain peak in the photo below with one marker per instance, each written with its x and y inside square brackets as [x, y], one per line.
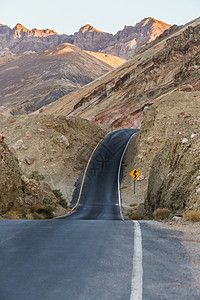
[88, 28]
[19, 26]
[147, 20]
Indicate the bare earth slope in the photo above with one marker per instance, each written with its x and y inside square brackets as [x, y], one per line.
[56, 147]
[111, 60]
[119, 97]
[34, 80]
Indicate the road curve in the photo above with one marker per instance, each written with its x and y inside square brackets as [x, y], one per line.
[92, 254]
[97, 189]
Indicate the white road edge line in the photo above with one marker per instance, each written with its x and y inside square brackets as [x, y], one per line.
[137, 275]
[119, 171]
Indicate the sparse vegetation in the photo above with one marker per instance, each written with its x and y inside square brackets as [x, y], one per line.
[134, 213]
[62, 200]
[134, 216]
[16, 213]
[13, 215]
[192, 215]
[36, 176]
[123, 187]
[49, 201]
[161, 213]
[39, 211]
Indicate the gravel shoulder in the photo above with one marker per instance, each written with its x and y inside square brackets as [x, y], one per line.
[191, 240]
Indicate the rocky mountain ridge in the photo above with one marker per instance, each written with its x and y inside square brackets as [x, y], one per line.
[120, 97]
[124, 43]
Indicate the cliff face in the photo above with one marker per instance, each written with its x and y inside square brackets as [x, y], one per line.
[167, 154]
[19, 196]
[131, 38]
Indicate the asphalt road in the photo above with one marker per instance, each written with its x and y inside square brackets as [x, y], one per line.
[93, 254]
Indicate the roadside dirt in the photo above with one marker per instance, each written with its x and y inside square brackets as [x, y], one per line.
[191, 240]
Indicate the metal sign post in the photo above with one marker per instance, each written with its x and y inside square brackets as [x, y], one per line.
[135, 174]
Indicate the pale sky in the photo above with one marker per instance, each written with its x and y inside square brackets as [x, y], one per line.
[65, 16]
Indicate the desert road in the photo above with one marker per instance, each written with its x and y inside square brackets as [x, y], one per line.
[94, 253]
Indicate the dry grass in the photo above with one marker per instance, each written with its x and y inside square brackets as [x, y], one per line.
[123, 187]
[13, 215]
[133, 214]
[192, 215]
[161, 213]
[16, 213]
[134, 205]
[39, 211]
[137, 217]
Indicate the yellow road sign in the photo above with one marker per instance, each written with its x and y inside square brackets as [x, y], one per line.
[135, 174]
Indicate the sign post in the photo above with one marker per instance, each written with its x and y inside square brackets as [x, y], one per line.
[135, 174]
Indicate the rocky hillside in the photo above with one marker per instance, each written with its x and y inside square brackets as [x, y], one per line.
[56, 147]
[124, 43]
[6, 56]
[34, 80]
[120, 97]
[21, 197]
[167, 154]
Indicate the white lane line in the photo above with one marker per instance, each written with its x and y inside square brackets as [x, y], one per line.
[137, 275]
[119, 171]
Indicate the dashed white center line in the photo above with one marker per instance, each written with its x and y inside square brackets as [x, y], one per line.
[137, 275]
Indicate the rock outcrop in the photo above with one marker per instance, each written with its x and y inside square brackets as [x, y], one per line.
[56, 147]
[19, 196]
[167, 154]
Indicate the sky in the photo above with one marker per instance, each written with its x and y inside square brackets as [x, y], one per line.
[65, 16]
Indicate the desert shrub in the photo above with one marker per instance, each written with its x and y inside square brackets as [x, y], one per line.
[48, 201]
[35, 175]
[42, 212]
[47, 211]
[62, 200]
[192, 215]
[133, 215]
[38, 216]
[161, 213]
[137, 217]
